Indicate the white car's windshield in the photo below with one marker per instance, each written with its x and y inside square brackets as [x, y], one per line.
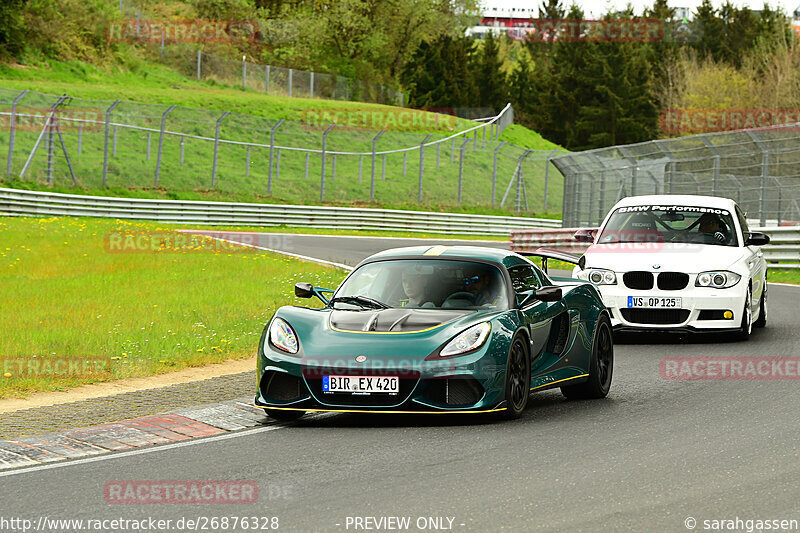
[678, 224]
[431, 283]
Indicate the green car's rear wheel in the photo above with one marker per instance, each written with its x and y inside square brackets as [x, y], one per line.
[284, 416]
[518, 378]
[601, 366]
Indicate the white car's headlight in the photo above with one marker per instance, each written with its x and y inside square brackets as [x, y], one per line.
[599, 276]
[468, 340]
[717, 279]
[282, 336]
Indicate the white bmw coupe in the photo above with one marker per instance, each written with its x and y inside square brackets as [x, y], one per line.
[678, 263]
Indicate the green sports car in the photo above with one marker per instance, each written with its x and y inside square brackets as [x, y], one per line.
[458, 329]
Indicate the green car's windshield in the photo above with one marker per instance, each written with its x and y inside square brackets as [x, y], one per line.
[677, 224]
[423, 284]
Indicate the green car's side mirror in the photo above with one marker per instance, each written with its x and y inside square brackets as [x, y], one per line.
[307, 290]
[548, 294]
[303, 290]
[543, 294]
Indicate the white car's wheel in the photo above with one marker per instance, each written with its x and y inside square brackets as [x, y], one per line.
[746, 326]
[762, 315]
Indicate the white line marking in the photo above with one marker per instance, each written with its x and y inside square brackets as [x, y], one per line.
[436, 239]
[783, 284]
[160, 447]
[140, 451]
[298, 256]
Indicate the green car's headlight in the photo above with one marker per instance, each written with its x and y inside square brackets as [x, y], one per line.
[282, 336]
[468, 340]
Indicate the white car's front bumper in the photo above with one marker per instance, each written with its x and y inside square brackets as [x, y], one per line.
[693, 300]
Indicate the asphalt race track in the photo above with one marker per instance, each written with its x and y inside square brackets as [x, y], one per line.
[654, 456]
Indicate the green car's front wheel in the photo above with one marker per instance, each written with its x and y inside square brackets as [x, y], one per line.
[518, 378]
[601, 366]
[284, 416]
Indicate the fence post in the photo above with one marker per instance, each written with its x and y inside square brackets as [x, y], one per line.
[183, 147]
[105, 149]
[715, 185]
[438, 151]
[374, 148]
[547, 176]
[266, 81]
[12, 131]
[494, 171]
[47, 134]
[162, 44]
[244, 72]
[149, 137]
[764, 174]
[272, 152]
[216, 148]
[483, 142]
[333, 168]
[515, 176]
[405, 159]
[291, 71]
[308, 154]
[247, 162]
[383, 167]
[114, 143]
[50, 148]
[421, 164]
[360, 166]
[461, 166]
[324, 147]
[161, 141]
[311, 86]
[80, 138]
[278, 164]
[452, 149]
[199, 61]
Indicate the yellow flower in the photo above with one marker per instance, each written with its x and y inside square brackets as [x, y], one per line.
[7, 374]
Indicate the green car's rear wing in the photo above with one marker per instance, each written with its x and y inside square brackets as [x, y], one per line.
[556, 255]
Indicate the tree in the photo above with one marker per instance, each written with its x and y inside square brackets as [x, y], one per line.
[12, 27]
[441, 74]
[709, 26]
[491, 80]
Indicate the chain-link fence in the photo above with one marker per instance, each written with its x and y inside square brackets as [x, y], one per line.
[91, 144]
[277, 81]
[170, 41]
[759, 169]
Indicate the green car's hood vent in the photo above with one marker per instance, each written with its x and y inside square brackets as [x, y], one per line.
[395, 320]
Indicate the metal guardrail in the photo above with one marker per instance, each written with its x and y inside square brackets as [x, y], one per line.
[15, 202]
[784, 244]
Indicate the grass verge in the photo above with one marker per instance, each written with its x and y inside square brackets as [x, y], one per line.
[129, 314]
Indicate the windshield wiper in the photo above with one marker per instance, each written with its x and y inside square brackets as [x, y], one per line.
[363, 301]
